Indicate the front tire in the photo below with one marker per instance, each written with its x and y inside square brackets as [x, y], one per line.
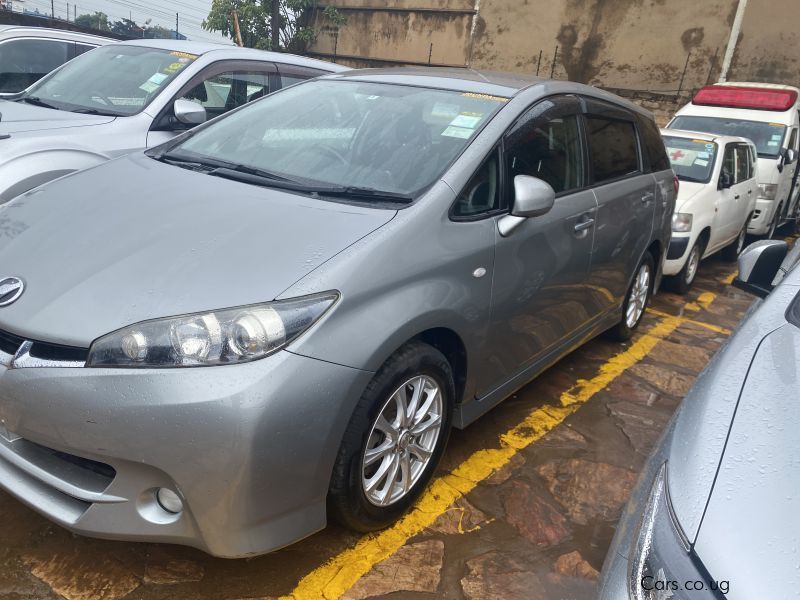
[395, 439]
[682, 282]
[636, 300]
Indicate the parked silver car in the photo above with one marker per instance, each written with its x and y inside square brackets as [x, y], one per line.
[128, 96]
[714, 513]
[29, 53]
[278, 316]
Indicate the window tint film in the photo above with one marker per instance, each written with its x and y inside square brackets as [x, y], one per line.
[546, 144]
[729, 163]
[482, 193]
[24, 62]
[613, 148]
[654, 146]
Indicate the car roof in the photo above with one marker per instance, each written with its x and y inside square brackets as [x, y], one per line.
[705, 136]
[229, 51]
[495, 83]
[8, 31]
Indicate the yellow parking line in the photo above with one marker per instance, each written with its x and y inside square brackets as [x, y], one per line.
[709, 326]
[335, 577]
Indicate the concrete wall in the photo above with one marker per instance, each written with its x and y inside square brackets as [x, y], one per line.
[623, 44]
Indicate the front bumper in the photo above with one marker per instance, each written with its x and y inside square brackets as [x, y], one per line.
[677, 253]
[249, 448]
[762, 216]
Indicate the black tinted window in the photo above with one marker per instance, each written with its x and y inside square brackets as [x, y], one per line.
[613, 148]
[23, 62]
[481, 194]
[81, 48]
[546, 144]
[653, 144]
[742, 164]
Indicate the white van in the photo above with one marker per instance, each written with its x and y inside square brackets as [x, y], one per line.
[767, 114]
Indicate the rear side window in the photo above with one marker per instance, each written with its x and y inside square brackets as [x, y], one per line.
[653, 144]
[24, 62]
[613, 148]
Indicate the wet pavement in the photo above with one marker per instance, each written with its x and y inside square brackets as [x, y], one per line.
[525, 505]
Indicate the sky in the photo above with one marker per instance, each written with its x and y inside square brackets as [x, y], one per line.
[190, 13]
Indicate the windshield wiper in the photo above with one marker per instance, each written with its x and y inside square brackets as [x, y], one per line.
[36, 102]
[94, 111]
[266, 179]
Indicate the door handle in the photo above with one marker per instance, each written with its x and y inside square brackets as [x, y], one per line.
[749, 191]
[647, 197]
[736, 197]
[583, 225]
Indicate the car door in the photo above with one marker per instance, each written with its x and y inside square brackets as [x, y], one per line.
[725, 203]
[219, 88]
[743, 190]
[626, 198]
[539, 294]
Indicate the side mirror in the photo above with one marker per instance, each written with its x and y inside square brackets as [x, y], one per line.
[790, 157]
[532, 198]
[758, 265]
[188, 112]
[725, 180]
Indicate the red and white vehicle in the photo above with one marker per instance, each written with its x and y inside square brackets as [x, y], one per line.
[769, 115]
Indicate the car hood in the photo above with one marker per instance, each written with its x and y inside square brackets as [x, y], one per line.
[18, 117]
[707, 412]
[687, 191]
[135, 239]
[750, 532]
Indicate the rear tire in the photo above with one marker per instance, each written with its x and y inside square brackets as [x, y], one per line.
[388, 456]
[636, 300]
[732, 251]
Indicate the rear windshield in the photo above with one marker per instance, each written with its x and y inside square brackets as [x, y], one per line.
[692, 160]
[768, 137]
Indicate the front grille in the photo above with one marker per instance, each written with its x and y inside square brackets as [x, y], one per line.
[10, 343]
[102, 469]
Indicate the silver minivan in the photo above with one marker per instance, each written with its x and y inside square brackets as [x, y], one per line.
[277, 317]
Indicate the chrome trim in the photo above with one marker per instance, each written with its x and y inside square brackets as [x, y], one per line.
[23, 360]
[16, 286]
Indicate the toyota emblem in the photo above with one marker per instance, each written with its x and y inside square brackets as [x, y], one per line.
[11, 289]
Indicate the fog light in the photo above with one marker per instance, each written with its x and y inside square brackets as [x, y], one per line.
[169, 500]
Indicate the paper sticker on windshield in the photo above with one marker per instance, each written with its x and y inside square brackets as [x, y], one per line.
[703, 155]
[183, 55]
[777, 137]
[484, 97]
[470, 121]
[458, 132]
[701, 162]
[155, 81]
[773, 143]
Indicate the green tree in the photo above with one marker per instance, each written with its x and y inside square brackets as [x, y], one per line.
[98, 20]
[295, 30]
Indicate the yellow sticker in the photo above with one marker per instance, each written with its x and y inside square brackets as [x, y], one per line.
[484, 97]
[183, 54]
[700, 141]
[173, 67]
[776, 124]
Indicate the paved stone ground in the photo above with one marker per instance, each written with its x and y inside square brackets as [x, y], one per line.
[537, 528]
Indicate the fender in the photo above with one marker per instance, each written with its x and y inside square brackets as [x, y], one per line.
[29, 170]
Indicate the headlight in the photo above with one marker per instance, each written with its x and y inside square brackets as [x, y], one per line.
[768, 191]
[219, 337]
[662, 564]
[681, 222]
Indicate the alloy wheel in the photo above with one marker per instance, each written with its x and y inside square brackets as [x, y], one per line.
[402, 441]
[637, 300]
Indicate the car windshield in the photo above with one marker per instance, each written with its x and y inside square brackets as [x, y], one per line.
[768, 137]
[346, 135]
[114, 79]
[692, 160]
